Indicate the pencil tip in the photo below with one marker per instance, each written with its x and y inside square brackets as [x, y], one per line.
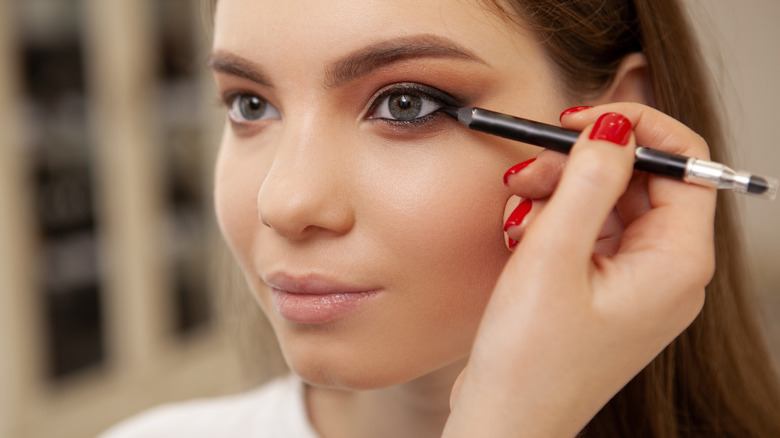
[451, 111]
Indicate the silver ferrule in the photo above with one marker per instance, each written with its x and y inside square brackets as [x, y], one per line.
[711, 174]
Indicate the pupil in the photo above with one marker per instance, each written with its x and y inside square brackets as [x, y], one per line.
[252, 107]
[405, 106]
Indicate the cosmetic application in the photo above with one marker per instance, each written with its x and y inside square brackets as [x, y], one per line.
[687, 169]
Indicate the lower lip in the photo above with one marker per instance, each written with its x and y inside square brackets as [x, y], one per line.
[319, 308]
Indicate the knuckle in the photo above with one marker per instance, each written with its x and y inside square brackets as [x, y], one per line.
[706, 265]
[699, 266]
[696, 303]
[695, 268]
[702, 148]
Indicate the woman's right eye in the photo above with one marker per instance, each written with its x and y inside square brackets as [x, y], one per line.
[246, 107]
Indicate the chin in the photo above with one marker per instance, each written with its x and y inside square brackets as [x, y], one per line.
[336, 374]
[360, 370]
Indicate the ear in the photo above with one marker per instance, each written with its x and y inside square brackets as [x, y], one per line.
[631, 83]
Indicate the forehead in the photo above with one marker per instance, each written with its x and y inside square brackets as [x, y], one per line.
[281, 31]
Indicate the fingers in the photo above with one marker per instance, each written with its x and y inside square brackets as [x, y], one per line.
[674, 231]
[596, 175]
[656, 130]
[652, 128]
[538, 177]
[670, 199]
[601, 174]
[519, 212]
[635, 201]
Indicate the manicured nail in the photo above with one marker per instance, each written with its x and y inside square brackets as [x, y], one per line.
[573, 110]
[612, 127]
[511, 243]
[517, 168]
[517, 216]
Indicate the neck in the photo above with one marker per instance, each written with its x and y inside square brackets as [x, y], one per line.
[415, 409]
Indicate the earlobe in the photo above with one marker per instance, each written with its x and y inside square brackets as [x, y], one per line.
[632, 82]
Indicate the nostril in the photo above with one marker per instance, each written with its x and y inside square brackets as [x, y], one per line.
[297, 214]
[307, 190]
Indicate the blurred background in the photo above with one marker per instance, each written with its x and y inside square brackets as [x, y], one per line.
[108, 245]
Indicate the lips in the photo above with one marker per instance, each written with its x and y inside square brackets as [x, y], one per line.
[314, 299]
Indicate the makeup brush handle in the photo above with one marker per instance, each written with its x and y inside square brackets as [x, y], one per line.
[526, 131]
[660, 162]
[690, 170]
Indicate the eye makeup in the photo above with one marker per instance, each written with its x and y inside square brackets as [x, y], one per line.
[409, 103]
[414, 103]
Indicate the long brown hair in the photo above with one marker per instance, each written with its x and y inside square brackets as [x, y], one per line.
[716, 379]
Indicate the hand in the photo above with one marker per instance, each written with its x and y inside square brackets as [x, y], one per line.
[575, 316]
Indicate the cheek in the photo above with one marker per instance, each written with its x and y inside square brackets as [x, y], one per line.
[448, 244]
[441, 226]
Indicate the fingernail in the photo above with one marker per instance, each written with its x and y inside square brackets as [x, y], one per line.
[517, 168]
[573, 110]
[612, 127]
[517, 216]
[511, 243]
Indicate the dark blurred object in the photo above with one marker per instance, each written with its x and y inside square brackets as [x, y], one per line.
[55, 107]
[184, 162]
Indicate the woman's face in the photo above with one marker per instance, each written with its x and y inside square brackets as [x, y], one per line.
[368, 224]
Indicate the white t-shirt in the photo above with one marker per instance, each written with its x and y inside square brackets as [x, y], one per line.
[276, 409]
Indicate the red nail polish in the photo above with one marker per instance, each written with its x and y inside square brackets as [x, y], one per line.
[517, 168]
[573, 110]
[612, 127]
[511, 243]
[519, 214]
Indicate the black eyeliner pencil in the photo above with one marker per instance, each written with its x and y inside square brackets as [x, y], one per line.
[690, 170]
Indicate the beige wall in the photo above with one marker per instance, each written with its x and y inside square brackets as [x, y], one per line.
[146, 363]
[743, 41]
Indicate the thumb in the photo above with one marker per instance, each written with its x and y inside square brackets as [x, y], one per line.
[598, 171]
[455, 393]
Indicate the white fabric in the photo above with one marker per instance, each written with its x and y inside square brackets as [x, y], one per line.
[276, 409]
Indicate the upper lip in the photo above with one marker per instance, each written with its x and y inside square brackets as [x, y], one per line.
[313, 284]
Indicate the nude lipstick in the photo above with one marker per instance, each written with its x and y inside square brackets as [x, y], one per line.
[316, 300]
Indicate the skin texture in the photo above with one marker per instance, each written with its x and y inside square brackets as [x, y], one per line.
[415, 212]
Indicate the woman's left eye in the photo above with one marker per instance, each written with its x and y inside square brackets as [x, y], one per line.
[409, 102]
[405, 107]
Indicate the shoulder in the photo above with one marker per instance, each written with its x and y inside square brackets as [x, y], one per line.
[274, 409]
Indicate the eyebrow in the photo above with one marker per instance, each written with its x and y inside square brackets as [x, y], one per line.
[356, 64]
[229, 63]
[373, 57]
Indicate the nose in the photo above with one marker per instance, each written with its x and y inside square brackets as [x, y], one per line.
[307, 188]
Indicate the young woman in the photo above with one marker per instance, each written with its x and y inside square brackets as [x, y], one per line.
[412, 291]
